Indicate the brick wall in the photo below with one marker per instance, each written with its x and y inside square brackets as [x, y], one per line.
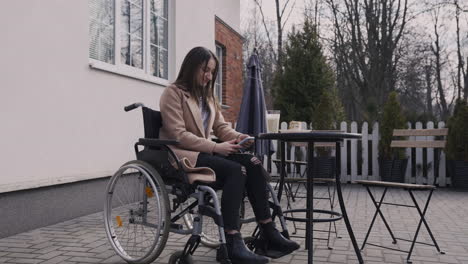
[231, 41]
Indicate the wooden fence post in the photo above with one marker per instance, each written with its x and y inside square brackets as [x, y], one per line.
[419, 158]
[344, 154]
[430, 156]
[365, 151]
[375, 152]
[443, 179]
[354, 153]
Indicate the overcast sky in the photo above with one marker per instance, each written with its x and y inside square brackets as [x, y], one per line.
[269, 11]
[423, 26]
[423, 23]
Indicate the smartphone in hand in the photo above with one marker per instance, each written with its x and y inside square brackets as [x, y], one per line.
[245, 140]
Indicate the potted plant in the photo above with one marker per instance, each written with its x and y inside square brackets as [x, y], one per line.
[327, 116]
[457, 145]
[392, 162]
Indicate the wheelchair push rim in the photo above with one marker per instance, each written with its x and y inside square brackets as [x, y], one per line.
[136, 213]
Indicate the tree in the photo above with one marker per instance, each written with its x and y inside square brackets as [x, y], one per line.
[392, 118]
[368, 34]
[280, 24]
[329, 111]
[305, 76]
[327, 116]
[460, 69]
[255, 39]
[457, 139]
[436, 50]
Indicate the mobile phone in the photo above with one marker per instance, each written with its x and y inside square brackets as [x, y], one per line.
[245, 140]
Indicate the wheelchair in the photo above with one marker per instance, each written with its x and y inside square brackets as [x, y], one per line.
[138, 211]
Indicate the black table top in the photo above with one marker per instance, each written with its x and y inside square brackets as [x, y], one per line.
[310, 136]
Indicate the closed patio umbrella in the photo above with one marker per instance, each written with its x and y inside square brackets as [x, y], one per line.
[252, 117]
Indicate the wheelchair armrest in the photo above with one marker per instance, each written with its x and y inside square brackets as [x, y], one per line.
[150, 142]
[216, 140]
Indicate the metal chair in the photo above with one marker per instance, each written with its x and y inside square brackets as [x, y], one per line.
[437, 145]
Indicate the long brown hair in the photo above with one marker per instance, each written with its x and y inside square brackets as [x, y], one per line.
[196, 58]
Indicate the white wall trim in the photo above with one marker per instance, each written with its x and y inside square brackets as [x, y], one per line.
[126, 71]
[32, 184]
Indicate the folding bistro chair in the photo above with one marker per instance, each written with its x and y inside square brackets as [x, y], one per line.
[437, 145]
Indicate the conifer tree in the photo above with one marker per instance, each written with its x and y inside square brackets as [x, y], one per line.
[392, 118]
[327, 116]
[305, 76]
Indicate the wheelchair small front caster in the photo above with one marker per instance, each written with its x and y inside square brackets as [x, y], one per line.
[178, 258]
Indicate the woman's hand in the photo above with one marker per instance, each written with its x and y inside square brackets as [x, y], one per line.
[246, 144]
[226, 148]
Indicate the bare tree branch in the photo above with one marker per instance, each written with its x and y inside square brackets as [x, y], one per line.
[284, 7]
[270, 43]
[436, 50]
[289, 14]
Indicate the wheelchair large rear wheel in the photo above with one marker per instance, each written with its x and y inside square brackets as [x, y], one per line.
[137, 212]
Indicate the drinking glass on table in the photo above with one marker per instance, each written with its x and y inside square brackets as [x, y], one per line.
[273, 120]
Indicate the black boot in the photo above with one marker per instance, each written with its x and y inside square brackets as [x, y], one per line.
[272, 243]
[239, 253]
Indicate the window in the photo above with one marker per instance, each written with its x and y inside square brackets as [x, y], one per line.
[101, 30]
[130, 35]
[219, 77]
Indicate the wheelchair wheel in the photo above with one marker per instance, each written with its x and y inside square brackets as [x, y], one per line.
[210, 231]
[176, 258]
[137, 212]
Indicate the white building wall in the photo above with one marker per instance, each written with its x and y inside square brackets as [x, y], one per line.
[229, 12]
[61, 120]
[194, 26]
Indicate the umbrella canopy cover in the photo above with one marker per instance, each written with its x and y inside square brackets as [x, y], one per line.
[252, 117]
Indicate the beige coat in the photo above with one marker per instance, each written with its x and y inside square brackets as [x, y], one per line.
[182, 121]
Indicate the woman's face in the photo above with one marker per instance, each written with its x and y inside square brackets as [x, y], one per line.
[205, 74]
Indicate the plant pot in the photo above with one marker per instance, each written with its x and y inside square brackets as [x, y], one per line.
[393, 170]
[324, 167]
[458, 171]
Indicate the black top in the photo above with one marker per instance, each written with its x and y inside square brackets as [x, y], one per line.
[310, 136]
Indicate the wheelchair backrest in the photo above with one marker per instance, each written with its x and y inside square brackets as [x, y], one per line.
[158, 157]
[152, 122]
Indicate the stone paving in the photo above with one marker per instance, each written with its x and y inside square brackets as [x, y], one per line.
[83, 240]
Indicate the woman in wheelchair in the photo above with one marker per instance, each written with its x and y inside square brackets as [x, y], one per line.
[190, 113]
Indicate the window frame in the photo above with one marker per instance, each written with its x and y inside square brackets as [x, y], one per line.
[129, 71]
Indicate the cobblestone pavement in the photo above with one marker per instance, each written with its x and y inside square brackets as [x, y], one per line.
[83, 240]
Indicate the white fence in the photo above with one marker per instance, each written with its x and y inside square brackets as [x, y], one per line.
[359, 157]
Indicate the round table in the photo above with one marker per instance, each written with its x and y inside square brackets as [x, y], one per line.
[310, 138]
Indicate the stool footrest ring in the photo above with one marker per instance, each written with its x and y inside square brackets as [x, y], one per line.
[335, 216]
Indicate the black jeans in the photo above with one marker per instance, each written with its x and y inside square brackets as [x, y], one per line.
[235, 174]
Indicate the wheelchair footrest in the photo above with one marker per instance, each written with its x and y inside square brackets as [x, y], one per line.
[274, 254]
[261, 248]
[192, 244]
